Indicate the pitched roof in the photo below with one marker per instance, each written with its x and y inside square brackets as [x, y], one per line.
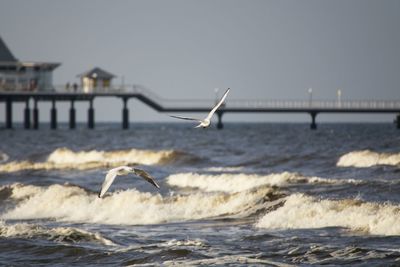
[97, 73]
[5, 53]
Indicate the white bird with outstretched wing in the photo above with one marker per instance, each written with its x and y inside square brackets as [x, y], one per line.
[207, 121]
[124, 170]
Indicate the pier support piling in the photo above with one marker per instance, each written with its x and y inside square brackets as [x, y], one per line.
[35, 115]
[8, 113]
[125, 114]
[53, 115]
[220, 125]
[27, 115]
[72, 122]
[91, 115]
[313, 125]
[398, 121]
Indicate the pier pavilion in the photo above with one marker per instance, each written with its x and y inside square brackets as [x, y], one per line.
[96, 80]
[18, 75]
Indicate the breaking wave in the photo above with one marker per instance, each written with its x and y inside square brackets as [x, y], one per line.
[303, 212]
[72, 203]
[184, 243]
[58, 234]
[3, 157]
[240, 182]
[367, 158]
[224, 169]
[64, 158]
[250, 259]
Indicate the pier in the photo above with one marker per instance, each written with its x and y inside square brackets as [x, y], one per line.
[313, 108]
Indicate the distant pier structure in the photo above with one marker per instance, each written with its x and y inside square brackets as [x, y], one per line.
[31, 83]
[181, 106]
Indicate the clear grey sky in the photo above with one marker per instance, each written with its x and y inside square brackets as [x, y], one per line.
[185, 48]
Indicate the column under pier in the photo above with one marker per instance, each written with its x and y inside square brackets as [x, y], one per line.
[9, 113]
[27, 115]
[72, 121]
[220, 125]
[125, 114]
[35, 115]
[91, 115]
[53, 115]
[398, 121]
[313, 125]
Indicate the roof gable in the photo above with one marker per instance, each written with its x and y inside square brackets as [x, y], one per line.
[97, 73]
[5, 53]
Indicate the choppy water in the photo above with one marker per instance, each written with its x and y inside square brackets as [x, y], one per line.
[251, 194]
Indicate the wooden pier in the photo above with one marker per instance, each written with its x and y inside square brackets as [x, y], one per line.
[313, 108]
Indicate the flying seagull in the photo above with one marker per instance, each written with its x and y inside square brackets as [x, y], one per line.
[124, 170]
[207, 121]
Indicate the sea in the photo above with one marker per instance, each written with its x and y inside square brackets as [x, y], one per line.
[252, 194]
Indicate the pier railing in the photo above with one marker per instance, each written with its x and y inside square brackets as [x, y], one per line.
[276, 103]
[231, 103]
[316, 104]
[273, 103]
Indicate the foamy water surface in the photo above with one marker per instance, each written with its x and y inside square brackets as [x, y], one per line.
[252, 194]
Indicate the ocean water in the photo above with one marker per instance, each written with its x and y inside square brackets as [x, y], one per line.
[249, 195]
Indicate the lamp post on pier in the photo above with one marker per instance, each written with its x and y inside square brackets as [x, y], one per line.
[216, 94]
[310, 96]
[339, 98]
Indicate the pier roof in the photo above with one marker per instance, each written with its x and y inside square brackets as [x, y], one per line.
[17, 65]
[97, 73]
[9, 62]
[5, 53]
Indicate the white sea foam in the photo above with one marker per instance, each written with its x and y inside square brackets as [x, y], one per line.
[20, 191]
[301, 211]
[72, 203]
[67, 234]
[241, 182]
[224, 169]
[235, 260]
[3, 157]
[367, 158]
[63, 158]
[147, 157]
[184, 243]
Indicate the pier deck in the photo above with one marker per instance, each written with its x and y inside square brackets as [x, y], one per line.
[311, 107]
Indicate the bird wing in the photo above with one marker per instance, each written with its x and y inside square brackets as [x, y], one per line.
[146, 176]
[217, 105]
[184, 118]
[110, 177]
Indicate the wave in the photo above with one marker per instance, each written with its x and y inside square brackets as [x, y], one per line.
[64, 158]
[184, 243]
[224, 169]
[367, 158]
[242, 182]
[73, 203]
[3, 157]
[248, 259]
[303, 212]
[58, 234]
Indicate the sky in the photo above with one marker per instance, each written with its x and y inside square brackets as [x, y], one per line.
[185, 49]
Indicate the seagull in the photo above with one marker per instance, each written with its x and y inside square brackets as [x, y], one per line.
[124, 170]
[207, 121]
